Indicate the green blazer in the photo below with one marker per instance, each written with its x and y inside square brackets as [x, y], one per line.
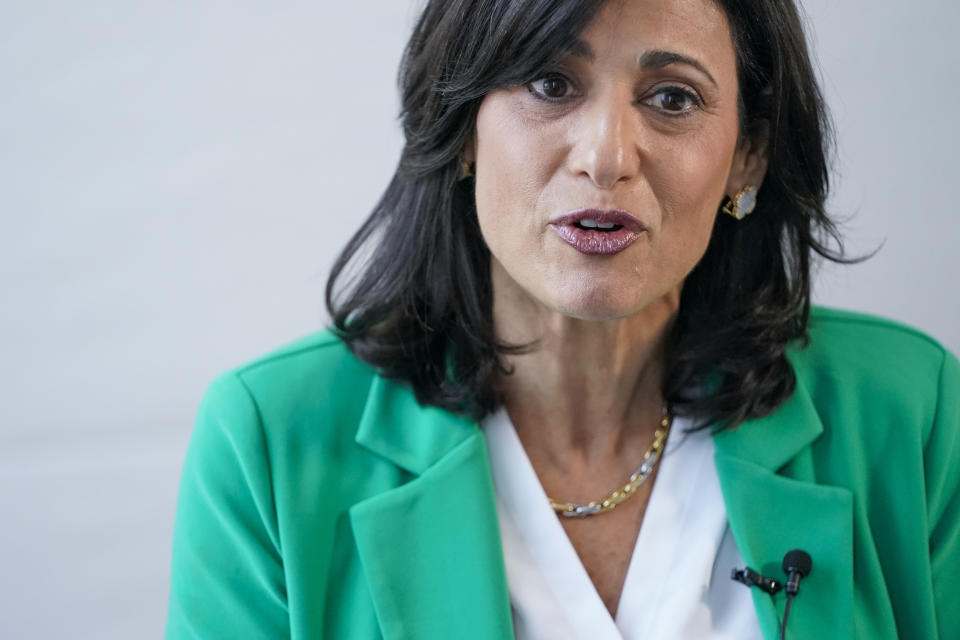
[319, 500]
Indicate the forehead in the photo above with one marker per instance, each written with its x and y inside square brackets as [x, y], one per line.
[625, 30]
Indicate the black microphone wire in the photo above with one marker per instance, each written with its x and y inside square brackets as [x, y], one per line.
[786, 614]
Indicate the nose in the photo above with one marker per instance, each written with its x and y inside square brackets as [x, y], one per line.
[605, 145]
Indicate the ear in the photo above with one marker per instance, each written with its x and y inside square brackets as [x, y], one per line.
[749, 166]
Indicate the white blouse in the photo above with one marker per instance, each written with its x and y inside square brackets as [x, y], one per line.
[678, 583]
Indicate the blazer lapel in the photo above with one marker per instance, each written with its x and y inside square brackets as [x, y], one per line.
[771, 513]
[430, 548]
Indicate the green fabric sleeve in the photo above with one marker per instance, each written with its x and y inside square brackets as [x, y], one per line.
[227, 576]
[942, 454]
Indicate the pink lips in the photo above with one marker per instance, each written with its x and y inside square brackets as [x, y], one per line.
[583, 230]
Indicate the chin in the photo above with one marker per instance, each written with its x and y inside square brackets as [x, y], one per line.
[597, 304]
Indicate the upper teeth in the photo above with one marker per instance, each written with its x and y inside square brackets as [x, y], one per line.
[590, 223]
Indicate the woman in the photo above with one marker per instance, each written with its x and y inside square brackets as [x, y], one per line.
[576, 380]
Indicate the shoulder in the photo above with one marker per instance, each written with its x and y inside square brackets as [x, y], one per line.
[310, 364]
[313, 389]
[865, 365]
[869, 352]
[863, 332]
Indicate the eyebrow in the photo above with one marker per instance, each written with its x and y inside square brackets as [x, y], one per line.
[653, 59]
[657, 59]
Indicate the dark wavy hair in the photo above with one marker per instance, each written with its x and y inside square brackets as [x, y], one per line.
[411, 292]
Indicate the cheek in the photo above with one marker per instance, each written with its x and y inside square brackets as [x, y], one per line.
[689, 185]
[512, 167]
[692, 173]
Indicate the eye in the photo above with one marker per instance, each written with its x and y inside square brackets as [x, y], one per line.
[551, 87]
[674, 101]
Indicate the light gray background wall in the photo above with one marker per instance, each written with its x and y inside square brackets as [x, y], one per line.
[175, 180]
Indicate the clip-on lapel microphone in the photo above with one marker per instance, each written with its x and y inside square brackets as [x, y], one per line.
[796, 564]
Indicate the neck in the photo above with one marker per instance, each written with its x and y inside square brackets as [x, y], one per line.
[589, 392]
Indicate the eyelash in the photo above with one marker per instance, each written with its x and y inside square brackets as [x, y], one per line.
[687, 93]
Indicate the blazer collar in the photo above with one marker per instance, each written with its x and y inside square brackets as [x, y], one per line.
[413, 437]
[774, 504]
[774, 440]
[430, 548]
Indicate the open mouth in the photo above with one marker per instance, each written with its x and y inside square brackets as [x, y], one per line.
[589, 224]
[598, 232]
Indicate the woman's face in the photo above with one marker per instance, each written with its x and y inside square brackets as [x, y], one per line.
[597, 184]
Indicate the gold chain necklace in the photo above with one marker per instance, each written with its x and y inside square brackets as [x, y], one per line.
[637, 478]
